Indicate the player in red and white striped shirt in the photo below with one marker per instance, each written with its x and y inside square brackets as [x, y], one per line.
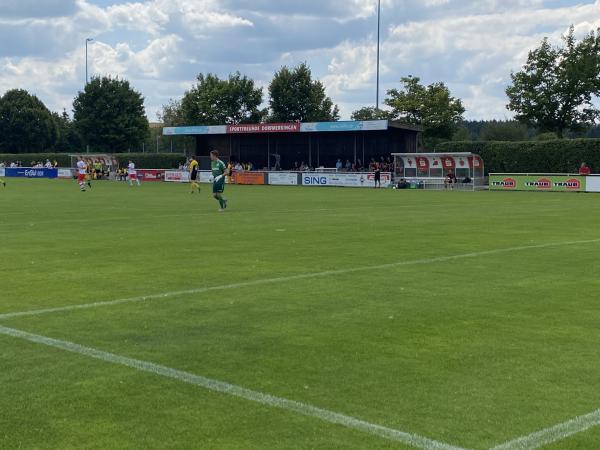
[132, 174]
[81, 173]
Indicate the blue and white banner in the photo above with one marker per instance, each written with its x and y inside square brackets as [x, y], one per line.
[28, 172]
[293, 127]
[364, 179]
[186, 131]
[344, 126]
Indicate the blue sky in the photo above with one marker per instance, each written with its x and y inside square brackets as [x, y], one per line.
[161, 45]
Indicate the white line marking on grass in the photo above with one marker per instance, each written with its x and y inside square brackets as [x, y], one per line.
[237, 391]
[303, 276]
[553, 434]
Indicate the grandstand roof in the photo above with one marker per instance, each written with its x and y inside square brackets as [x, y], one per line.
[291, 127]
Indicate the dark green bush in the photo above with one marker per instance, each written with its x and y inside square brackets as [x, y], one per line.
[557, 156]
[152, 160]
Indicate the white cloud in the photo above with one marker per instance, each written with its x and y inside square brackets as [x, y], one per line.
[160, 45]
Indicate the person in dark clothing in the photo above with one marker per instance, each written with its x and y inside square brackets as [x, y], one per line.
[377, 175]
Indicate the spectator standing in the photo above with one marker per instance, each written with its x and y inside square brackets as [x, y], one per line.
[584, 170]
[377, 175]
[277, 160]
[339, 165]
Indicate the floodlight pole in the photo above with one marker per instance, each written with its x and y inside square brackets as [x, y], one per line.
[378, 46]
[87, 41]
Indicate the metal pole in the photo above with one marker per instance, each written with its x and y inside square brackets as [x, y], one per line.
[87, 40]
[378, 45]
[309, 150]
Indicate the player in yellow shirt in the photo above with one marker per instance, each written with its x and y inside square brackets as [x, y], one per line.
[194, 174]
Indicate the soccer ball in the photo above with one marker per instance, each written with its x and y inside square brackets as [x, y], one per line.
[211, 179]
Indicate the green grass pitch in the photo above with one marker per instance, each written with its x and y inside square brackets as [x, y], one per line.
[481, 324]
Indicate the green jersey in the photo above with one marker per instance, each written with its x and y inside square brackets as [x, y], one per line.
[218, 168]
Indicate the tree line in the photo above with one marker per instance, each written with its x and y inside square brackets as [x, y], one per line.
[554, 95]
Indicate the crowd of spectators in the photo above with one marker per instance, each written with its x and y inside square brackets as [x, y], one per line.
[382, 164]
[34, 164]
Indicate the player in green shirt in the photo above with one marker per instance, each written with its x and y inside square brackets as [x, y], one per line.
[219, 171]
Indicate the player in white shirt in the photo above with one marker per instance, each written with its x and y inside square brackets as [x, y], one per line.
[81, 173]
[132, 174]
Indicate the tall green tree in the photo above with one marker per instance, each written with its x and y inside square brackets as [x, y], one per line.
[370, 113]
[555, 90]
[68, 138]
[213, 101]
[432, 107]
[508, 130]
[295, 96]
[171, 114]
[110, 116]
[26, 125]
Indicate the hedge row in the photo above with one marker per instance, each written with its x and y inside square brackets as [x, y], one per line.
[142, 160]
[558, 156]
[152, 160]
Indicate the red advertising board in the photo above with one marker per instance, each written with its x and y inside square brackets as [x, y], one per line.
[151, 174]
[293, 127]
[248, 177]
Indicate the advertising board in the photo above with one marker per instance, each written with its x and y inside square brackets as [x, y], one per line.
[152, 175]
[254, 178]
[65, 174]
[283, 179]
[592, 184]
[537, 182]
[366, 179]
[176, 176]
[28, 172]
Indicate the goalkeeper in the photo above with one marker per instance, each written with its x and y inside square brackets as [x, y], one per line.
[219, 171]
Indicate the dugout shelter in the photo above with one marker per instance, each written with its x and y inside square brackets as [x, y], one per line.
[317, 144]
[429, 170]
